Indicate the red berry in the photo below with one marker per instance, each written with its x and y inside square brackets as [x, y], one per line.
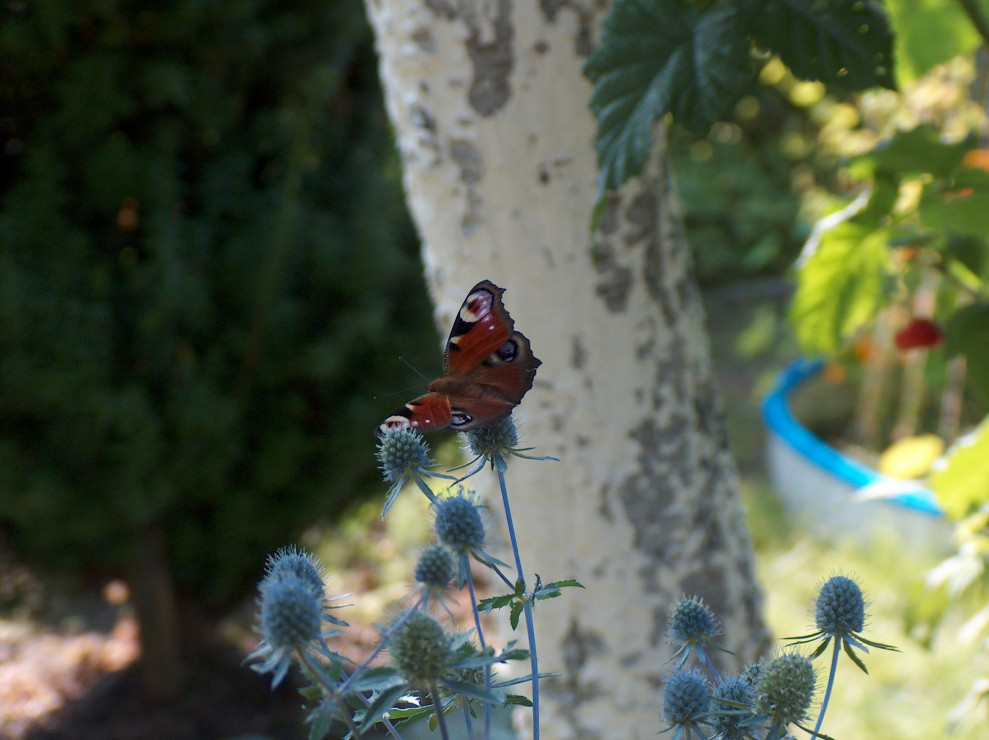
[919, 333]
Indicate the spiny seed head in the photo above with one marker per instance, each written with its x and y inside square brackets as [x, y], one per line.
[491, 441]
[421, 651]
[728, 720]
[292, 561]
[435, 567]
[692, 622]
[458, 522]
[291, 612]
[687, 697]
[840, 607]
[786, 688]
[403, 454]
[752, 673]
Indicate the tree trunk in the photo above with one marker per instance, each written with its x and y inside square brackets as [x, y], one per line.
[489, 106]
[161, 663]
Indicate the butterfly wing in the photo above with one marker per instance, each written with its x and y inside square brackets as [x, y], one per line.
[488, 368]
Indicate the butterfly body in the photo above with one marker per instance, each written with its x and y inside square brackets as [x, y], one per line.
[487, 368]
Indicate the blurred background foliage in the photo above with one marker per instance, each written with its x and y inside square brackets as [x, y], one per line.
[206, 274]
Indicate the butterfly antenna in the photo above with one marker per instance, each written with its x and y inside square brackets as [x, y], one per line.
[413, 368]
[406, 390]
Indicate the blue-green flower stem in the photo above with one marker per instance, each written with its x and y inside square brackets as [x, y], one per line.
[487, 668]
[526, 607]
[505, 579]
[438, 706]
[465, 705]
[827, 691]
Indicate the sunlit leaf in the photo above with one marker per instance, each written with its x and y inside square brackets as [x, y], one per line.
[917, 151]
[961, 207]
[840, 286]
[963, 485]
[929, 32]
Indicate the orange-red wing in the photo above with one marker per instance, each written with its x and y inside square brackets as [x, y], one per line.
[481, 326]
[425, 413]
[488, 367]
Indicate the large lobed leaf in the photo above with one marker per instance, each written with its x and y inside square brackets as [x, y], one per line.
[658, 57]
[840, 287]
[846, 44]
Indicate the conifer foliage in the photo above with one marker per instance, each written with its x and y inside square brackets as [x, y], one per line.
[204, 247]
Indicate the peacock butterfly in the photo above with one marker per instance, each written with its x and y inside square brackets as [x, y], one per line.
[487, 368]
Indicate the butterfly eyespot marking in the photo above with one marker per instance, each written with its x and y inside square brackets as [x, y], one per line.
[460, 418]
[487, 368]
[508, 351]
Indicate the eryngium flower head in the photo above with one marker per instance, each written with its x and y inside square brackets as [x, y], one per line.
[420, 650]
[458, 523]
[290, 561]
[686, 699]
[692, 622]
[435, 567]
[403, 455]
[840, 607]
[489, 442]
[752, 673]
[785, 689]
[728, 699]
[291, 614]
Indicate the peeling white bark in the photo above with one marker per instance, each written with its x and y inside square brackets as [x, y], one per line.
[489, 107]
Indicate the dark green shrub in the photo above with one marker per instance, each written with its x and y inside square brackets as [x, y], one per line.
[205, 261]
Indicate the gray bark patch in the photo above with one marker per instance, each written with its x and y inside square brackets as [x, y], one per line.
[584, 38]
[493, 62]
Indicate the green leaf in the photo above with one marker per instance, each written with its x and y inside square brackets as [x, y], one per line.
[465, 688]
[840, 286]
[514, 617]
[919, 151]
[321, 719]
[846, 44]
[968, 334]
[518, 700]
[382, 703]
[377, 679]
[961, 207]
[658, 57]
[520, 587]
[855, 658]
[929, 32]
[962, 486]
[971, 252]
[495, 602]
